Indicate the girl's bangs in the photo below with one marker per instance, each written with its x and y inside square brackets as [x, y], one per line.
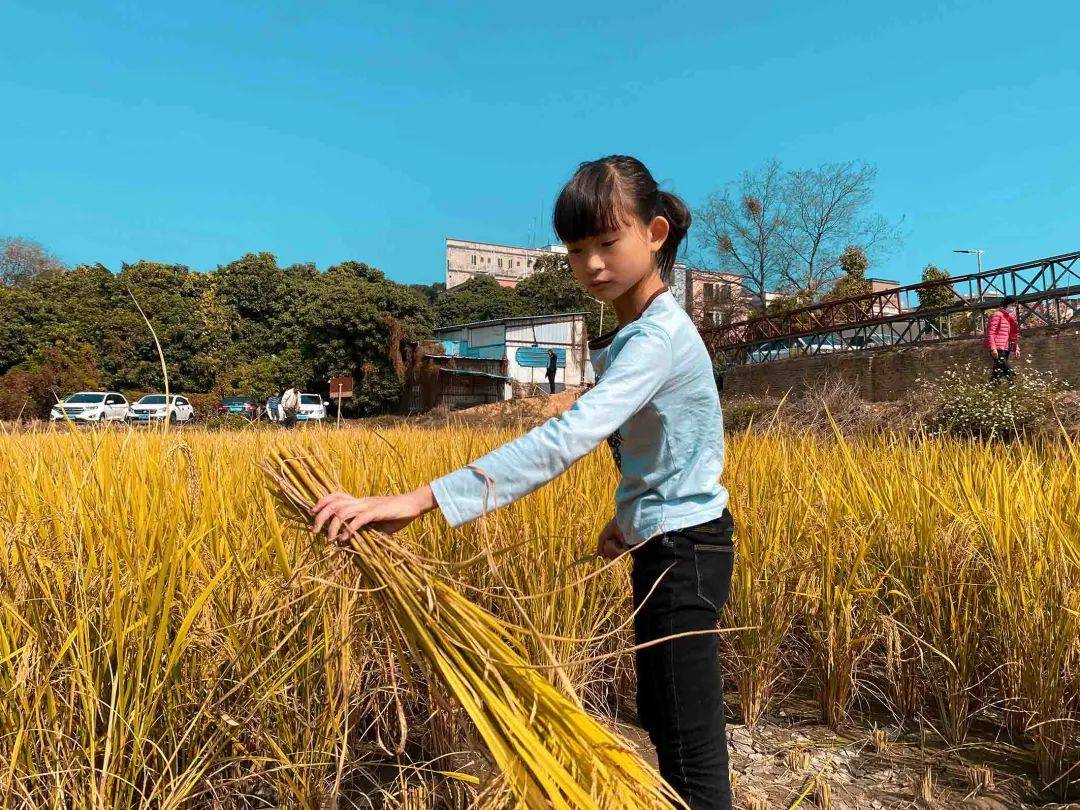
[590, 204]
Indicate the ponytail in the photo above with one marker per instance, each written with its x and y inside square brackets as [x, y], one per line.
[674, 210]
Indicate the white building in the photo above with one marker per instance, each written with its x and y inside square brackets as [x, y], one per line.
[523, 344]
[505, 263]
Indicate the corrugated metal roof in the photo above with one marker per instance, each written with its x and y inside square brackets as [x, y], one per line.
[555, 332]
[475, 324]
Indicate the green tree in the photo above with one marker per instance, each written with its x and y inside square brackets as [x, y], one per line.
[77, 303]
[935, 297]
[249, 327]
[219, 323]
[431, 292]
[552, 289]
[266, 374]
[478, 299]
[265, 298]
[853, 281]
[77, 308]
[22, 312]
[786, 302]
[30, 388]
[354, 319]
[169, 295]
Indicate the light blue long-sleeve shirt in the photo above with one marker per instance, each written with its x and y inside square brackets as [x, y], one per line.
[655, 402]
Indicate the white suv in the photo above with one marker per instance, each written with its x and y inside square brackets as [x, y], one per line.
[91, 406]
[153, 406]
[312, 408]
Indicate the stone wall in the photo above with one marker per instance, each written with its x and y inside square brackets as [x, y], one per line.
[887, 374]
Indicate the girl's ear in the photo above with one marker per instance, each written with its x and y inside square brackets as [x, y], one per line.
[658, 231]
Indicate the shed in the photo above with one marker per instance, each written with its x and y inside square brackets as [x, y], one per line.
[523, 344]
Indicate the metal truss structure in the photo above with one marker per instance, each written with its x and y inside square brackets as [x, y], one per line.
[1047, 293]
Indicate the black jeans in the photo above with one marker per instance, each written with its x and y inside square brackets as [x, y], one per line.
[1001, 366]
[551, 381]
[680, 694]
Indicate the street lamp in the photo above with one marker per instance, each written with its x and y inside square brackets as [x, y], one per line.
[978, 254]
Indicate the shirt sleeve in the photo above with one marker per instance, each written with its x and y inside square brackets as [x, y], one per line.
[525, 464]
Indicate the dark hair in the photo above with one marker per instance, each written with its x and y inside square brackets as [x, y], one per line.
[1008, 301]
[603, 193]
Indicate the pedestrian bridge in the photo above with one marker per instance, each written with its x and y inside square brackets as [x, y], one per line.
[1047, 293]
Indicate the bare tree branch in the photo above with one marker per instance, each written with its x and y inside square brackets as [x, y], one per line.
[827, 209]
[739, 228]
[23, 260]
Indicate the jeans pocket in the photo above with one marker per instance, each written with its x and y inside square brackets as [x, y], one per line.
[713, 564]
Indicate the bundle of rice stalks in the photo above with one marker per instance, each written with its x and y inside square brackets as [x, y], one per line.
[549, 752]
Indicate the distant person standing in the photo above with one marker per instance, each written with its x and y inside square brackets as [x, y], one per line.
[290, 404]
[1002, 338]
[273, 408]
[552, 367]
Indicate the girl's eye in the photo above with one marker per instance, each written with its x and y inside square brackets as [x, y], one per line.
[575, 250]
[609, 243]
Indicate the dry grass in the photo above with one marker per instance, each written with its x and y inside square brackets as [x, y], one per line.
[548, 751]
[166, 640]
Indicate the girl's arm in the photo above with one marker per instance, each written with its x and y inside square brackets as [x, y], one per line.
[523, 465]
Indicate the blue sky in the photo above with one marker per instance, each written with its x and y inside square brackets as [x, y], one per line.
[193, 133]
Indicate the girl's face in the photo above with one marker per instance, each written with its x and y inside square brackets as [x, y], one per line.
[610, 263]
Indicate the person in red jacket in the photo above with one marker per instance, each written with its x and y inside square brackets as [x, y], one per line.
[1002, 338]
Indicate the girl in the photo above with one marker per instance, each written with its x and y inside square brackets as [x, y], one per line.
[655, 401]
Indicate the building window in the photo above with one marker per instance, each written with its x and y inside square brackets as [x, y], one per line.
[500, 264]
[474, 259]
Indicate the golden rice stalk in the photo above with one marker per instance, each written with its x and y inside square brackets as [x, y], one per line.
[549, 751]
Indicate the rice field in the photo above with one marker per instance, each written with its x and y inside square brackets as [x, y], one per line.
[168, 639]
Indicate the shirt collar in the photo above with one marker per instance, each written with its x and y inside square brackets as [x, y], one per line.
[604, 340]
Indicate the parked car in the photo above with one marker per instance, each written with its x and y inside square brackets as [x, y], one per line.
[868, 342]
[312, 407]
[248, 407]
[155, 406]
[819, 344]
[91, 406]
[773, 350]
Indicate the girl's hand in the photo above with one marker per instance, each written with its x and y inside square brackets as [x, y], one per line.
[341, 512]
[612, 542]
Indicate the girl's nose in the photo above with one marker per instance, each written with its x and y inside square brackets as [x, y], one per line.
[595, 262]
